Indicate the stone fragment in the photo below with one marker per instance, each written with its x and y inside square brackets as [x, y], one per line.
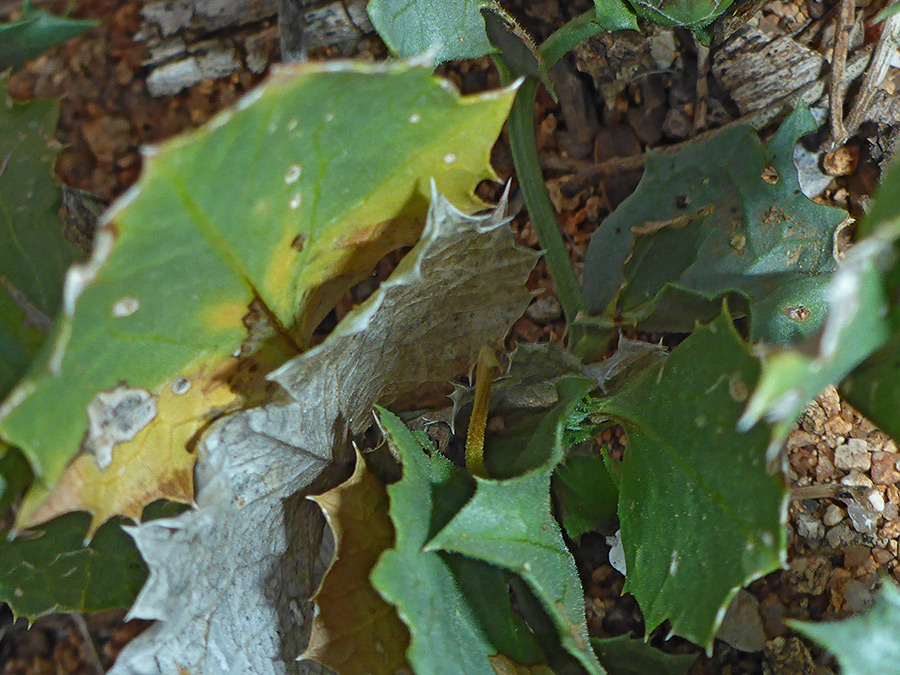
[810, 528]
[854, 556]
[742, 627]
[544, 310]
[833, 515]
[864, 520]
[789, 655]
[885, 469]
[840, 536]
[856, 479]
[809, 574]
[857, 597]
[849, 457]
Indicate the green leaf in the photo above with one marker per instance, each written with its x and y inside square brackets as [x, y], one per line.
[858, 324]
[35, 32]
[585, 495]
[868, 644]
[629, 656]
[487, 591]
[708, 223]
[508, 523]
[615, 15]
[451, 29]
[49, 569]
[290, 198]
[34, 254]
[699, 514]
[690, 13]
[15, 475]
[442, 626]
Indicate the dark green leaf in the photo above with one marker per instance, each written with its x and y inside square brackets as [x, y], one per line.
[34, 254]
[699, 514]
[487, 590]
[453, 28]
[868, 644]
[15, 475]
[585, 496]
[615, 15]
[49, 569]
[858, 324]
[723, 218]
[508, 523]
[630, 656]
[35, 32]
[419, 583]
[690, 13]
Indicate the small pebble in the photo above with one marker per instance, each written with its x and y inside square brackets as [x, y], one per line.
[810, 528]
[848, 457]
[876, 500]
[833, 515]
[839, 536]
[856, 479]
[742, 627]
[864, 520]
[544, 310]
[857, 598]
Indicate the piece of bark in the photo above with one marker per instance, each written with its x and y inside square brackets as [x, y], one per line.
[758, 70]
[194, 40]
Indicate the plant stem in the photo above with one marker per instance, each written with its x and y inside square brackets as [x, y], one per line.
[485, 372]
[531, 180]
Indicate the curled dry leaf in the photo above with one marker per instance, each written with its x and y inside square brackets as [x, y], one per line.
[230, 581]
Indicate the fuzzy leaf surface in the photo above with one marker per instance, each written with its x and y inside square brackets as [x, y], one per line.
[867, 644]
[586, 496]
[35, 32]
[355, 631]
[859, 323]
[694, 486]
[255, 204]
[419, 583]
[34, 254]
[247, 555]
[509, 523]
[722, 218]
[454, 29]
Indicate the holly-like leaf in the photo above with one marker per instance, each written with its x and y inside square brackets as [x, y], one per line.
[699, 514]
[35, 32]
[508, 523]
[868, 644]
[858, 324]
[34, 254]
[50, 569]
[689, 13]
[355, 630]
[419, 583]
[630, 656]
[247, 555]
[450, 29]
[723, 218]
[290, 198]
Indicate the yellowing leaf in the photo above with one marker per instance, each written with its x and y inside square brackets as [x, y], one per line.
[156, 464]
[355, 631]
[287, 200]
